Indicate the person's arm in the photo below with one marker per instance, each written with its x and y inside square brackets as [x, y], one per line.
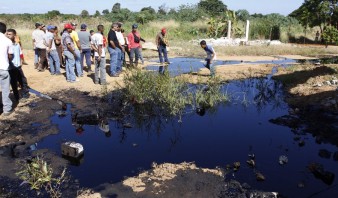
[78, 44]
[141, 39]
[130, 40]
[156, 40]
[110, 40]
[99, 51]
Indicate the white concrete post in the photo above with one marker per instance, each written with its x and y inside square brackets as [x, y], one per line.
[247, 30]
[229, 29]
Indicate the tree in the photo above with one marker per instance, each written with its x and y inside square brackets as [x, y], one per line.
[317, 13]
[149, 9]
[52, 14]
[162, 10]
[116, 8]
[84, 13]
[242, 15]
[212, 7]
[105, 11]
[97, 13]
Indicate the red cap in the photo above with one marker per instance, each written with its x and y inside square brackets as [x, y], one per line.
[68, 26]
[164, 30]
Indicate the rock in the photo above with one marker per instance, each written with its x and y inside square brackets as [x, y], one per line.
[301, 185]
[318, 85]
[327, 83]
[260, 176]
[301, 143]
[127, 125]
[283, 160]
[323, 153]
[334, 82]
[318, 171]
[72, 149]
[275, 42]
[251, 163]
[237, 165]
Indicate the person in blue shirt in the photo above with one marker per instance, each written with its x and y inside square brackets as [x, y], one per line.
[211, 56]
[15, 71]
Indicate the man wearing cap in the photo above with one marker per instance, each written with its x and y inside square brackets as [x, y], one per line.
[77, 45]
[52, 53]
[100, 56]
[114, 49]
[69, 52]
[134, 39]
[85, 39]
[162, 43]
[6, 53]
[38, 39]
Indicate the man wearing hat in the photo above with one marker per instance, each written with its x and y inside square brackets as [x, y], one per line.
[162, 43]
[85, 39]
[38, 41]
[52, 53]
[69, 52]
[77, 45]
[134, 46]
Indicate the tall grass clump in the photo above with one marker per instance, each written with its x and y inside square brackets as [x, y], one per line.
[170, 96]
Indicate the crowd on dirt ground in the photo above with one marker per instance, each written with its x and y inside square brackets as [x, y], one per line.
[67, 49]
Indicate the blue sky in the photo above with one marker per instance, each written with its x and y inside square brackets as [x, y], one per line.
[284, 7]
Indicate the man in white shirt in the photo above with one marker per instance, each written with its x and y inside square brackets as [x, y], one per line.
[38, 38]
[122, 42]
[6, 53]
[100, 56]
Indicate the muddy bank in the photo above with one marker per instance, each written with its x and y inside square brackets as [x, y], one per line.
[177, 180]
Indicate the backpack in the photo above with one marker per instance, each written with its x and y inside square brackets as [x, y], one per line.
[136, 39]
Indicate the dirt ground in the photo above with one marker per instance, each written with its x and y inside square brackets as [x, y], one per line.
[20, 129]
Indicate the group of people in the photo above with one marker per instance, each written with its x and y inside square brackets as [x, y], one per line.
[69, 48]
[11, 73]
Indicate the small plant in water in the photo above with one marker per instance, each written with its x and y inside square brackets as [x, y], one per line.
[39, 175]
[170, 96]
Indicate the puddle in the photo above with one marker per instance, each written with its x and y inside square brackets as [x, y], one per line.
[185, 65]
[114, 149]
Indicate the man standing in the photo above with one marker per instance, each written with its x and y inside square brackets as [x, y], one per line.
[52, 53]
[69, 52]
[36, 54]
[85, 40]
[114, 49]
[15, 71]
[38, 38]
[162, 43]
[122, 43]
[100, 56]
[134, 39]
[77, 45]
[6, 53]
[211, 56]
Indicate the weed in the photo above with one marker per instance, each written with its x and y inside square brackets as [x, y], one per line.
[39, 175]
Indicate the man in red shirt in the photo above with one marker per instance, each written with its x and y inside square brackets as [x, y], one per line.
[134, 46]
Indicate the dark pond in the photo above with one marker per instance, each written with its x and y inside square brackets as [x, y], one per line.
[222, 136]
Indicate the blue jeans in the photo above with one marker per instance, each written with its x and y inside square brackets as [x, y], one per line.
[78, 63]
[54, 56]
[210, 66]
[4, 82]
[100, 70]
[163, 49]
[115, 60]
[86, 53]
[70, 66]
[134, 52]
[36, 56]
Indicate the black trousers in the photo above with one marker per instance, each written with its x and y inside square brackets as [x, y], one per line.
[17, 76]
